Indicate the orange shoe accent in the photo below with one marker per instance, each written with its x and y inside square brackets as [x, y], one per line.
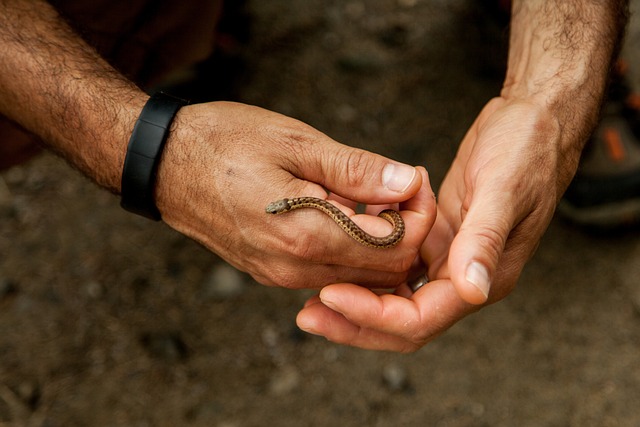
[633, 101]
[615, 147]
[621, 67]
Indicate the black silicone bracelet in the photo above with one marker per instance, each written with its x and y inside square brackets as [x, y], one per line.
[143, 154]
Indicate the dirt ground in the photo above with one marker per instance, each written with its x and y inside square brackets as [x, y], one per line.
[107, 319]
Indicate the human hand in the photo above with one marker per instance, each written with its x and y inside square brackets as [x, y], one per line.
[224, 162]
[494, 205]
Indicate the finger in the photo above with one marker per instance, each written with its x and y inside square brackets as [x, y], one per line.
[291, 274]
[343, 201]
[356, 174]
[435, 250]
[424, 201]
[313, 300]
[478, 246]
[317, 319]
[418, 213]
[354, 316]
[386, 313]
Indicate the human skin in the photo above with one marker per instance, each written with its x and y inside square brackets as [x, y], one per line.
[499, 195]
[222, 164]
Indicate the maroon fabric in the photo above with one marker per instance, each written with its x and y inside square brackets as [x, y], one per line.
[146, 39]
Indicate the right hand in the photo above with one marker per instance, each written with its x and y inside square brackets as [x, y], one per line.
[224, 162]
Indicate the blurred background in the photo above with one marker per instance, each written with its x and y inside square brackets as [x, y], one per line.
[107, 319]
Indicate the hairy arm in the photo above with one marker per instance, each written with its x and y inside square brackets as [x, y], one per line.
[560, 55]
[500, 193]
[222, 163]
[523, 150]
[57, 87]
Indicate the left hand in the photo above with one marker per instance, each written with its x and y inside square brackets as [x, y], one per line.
[494, 206]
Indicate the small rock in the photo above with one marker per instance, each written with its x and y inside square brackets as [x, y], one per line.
[331, 41]
[407, 3]
[223, 283]
[204, 412]
[355, 9]
[167, 346]
[361, 62]
[93, 290]
[346, 113]
[395, 377]
[284, 381]
[7, 288]
[331, 354]
[270, 336]
[30, 393]
[477, 409]
[394, 36]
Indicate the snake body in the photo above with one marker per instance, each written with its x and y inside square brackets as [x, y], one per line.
[350, 227]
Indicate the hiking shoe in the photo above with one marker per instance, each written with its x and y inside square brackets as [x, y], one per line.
[605, 192]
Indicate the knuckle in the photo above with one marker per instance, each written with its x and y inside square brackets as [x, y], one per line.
[492, 239]
[307, 247]
[303, 245]
[285, 278]
[284, 273]
[406, 263]
[358, 167]
[295, 138]
[398, 266]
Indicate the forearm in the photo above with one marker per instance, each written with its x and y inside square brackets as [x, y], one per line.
[559, 57]
[57, 87]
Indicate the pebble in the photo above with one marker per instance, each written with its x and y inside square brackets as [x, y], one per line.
[165, 346]
[345, 113]
[331, 41]
[7, 287]
[355, 9]
[284, 381]
[205, 411]
[395, 377]
[361, 62]
[223, 283]
[93, 290]
[407, 3]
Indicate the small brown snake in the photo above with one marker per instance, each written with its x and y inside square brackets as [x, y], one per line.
[350, 227]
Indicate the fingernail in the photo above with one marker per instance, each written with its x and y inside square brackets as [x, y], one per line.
[478, 276]
[398, 177]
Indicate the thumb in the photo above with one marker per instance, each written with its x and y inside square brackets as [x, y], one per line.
[477, 248]
[360, 175]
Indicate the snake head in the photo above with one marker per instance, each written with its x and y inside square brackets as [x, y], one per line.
[278, 206]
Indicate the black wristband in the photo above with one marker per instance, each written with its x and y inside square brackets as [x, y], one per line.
[143, 154]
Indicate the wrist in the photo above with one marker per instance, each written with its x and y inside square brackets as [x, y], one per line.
[98, 147]
[105, 161]
[560, 55]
